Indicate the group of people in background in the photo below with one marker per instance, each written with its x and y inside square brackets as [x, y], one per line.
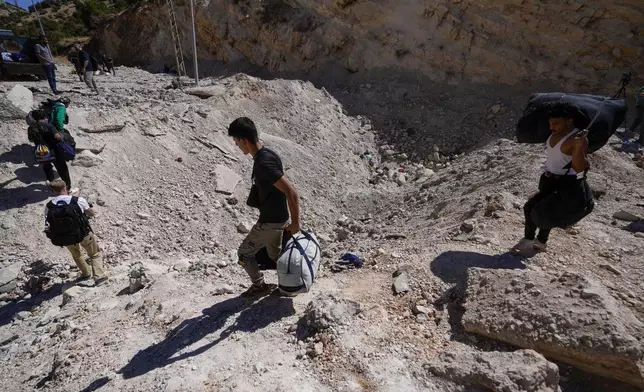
[66, 214]
[85, 64]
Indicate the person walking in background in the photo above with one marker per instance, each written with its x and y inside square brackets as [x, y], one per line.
[42, 133]
[73, 58]
[87, 68]
[639, 116]
[108, 63]
[47, 61]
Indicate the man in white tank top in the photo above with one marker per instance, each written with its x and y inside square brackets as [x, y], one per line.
[564, 197]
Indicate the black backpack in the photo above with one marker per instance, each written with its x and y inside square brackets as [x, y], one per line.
[607, 113]
[94, 62]
[68, 225]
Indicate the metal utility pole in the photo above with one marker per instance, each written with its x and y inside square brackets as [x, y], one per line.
[42, 31]
[194, 41]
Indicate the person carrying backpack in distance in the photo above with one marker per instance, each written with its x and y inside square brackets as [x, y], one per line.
[564, 196]
[87, 68]
[58, 117]
[274, 195]
[67, 224]
[639, 116]
[72, 57]
[51, 148]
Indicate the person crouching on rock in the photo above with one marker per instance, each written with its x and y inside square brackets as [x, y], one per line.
[67, 224]
[564, 196]
[274, 195]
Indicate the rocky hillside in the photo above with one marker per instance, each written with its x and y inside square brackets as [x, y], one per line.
[64, 21]
[439, 304]
[420, 70]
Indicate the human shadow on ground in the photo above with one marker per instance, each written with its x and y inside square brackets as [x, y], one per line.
[21, 153]
[20, 197]
[97, 384]
[251, 318]
[452, 266]
[8, 311]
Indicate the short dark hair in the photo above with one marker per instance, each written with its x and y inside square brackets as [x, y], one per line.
[38, 115]
[243, 128]
[563, 110]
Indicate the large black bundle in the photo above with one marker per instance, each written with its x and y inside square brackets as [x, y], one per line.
[533, 126]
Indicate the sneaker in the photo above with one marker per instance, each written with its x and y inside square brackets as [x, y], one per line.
[281, 293]
[523, 246]
[540, 246]
[82, 278]
[100, 281]
[257, 291]
[74, 191]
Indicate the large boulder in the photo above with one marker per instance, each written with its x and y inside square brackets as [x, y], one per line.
[566, 317]
[16, 103]
[9, 277]
[518, 371]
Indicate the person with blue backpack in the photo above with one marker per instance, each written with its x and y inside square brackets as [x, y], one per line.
[53, 148]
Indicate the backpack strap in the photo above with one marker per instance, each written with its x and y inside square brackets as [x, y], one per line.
[50, 205]
[306, 257]
[310, 238]
[74, 201]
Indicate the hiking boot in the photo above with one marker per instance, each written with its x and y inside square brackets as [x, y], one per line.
[100, 281]
[82, 278]
[524, 245]
[281, 293]
[540, 246]
[257, 291]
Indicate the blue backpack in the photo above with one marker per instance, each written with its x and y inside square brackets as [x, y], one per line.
[67, 150]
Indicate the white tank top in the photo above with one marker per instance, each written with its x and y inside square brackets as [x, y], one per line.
[558, 162]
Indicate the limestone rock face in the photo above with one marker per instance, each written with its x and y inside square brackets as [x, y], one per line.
[568, 317]
[580, 43]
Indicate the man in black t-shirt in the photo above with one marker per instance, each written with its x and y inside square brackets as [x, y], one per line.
[275, 197]
[87, 68]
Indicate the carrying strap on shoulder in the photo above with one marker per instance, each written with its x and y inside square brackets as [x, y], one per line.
[72, 202]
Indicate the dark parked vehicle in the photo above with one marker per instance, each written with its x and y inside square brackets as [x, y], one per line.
[17, 56]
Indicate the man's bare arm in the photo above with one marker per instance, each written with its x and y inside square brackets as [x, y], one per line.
[579, 147]
[285, 186]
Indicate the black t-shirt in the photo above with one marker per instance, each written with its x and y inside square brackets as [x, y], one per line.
[84, 56]
[267, 169]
